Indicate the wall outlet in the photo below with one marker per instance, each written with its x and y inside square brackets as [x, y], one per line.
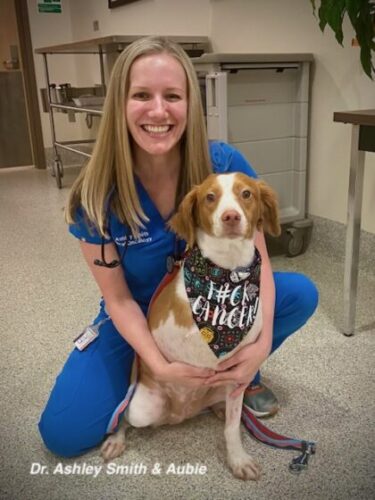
[95, 25]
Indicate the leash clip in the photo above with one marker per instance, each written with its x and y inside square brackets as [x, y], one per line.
[301, 462]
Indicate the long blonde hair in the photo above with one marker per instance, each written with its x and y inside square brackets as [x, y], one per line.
[111, 163]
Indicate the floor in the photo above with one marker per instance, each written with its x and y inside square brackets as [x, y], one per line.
[324, 381]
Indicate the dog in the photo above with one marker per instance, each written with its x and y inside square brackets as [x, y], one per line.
[189, 318]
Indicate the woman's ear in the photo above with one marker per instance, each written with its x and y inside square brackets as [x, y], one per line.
[184, 222]
[269, 209]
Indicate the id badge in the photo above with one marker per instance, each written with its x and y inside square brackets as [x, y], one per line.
[88, 335]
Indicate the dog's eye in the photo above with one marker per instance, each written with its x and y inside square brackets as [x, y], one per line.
[246, 194]
[210, 197]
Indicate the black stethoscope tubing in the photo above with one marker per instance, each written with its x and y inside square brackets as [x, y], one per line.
[114, 263]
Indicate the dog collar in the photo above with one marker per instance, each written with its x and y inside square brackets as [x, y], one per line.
[224, 303]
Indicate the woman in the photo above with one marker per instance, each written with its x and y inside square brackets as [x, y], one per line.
[151, 149]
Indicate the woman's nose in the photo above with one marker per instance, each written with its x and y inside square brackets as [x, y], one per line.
[158, 107]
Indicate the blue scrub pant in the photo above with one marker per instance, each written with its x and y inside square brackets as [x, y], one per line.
[93, 382]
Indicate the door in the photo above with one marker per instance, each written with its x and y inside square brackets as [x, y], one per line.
[15, 146]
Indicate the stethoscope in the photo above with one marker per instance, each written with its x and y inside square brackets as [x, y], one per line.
[170, 261]
[114, 263]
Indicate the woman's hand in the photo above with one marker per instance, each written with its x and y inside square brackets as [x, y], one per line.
[241, 368]
[183, 373]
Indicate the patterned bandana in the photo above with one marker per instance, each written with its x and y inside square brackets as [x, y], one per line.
[224, 303]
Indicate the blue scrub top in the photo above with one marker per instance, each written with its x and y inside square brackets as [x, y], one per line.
[144, 263]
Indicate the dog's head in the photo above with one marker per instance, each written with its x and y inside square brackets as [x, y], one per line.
[227, 206]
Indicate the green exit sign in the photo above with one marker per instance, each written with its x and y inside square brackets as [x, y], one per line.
[50, 6]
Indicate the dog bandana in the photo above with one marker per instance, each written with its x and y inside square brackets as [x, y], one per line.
[224, 303]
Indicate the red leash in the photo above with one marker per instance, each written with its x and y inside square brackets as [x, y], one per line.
[263, 434]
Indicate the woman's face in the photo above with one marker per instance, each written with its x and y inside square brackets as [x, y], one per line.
[156, 106]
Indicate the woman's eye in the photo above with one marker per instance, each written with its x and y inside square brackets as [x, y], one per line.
[210, 197]
[246, 194]
[173, 97]
[142, 96]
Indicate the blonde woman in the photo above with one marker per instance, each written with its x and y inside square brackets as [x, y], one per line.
[151, 149]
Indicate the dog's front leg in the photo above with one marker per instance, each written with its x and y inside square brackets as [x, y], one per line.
[146, 408]
[241, 464]
[114, 445]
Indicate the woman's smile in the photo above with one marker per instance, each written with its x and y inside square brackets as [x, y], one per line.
[157, 130]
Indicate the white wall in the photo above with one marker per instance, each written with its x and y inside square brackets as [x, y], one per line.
[145, 17]
[338, 82]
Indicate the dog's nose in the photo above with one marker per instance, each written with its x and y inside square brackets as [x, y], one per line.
[231, 217]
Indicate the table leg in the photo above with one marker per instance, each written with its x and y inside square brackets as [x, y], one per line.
[353, 232]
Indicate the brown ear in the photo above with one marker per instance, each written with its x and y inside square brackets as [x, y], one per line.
[183, 223]
[270, 209]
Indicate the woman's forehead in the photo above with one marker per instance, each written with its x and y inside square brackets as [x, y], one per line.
[157, 68]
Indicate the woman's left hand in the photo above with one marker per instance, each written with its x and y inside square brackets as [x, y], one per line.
[240, 369]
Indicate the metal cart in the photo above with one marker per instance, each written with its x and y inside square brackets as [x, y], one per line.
[64, 98]
[260, 104]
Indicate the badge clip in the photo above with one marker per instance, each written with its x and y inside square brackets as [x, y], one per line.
[88, 335]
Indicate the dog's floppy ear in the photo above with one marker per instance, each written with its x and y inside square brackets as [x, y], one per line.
[183, 223]
[269, 210]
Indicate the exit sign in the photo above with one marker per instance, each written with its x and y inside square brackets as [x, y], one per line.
[50, 6]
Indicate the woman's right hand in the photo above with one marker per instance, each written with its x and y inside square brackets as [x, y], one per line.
[184, 373]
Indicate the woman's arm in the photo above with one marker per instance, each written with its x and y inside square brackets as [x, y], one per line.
[267, 295]
[242, 367]
[129, 319]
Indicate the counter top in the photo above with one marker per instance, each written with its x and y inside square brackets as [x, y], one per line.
[117, 43]
[360, 117]
[267, 57]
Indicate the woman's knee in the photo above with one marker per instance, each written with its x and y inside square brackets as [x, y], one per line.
[309, 296]
[295, 291]
[87, 391]
[55, 440]
[296, 300]
[67, 439]
[296, 296]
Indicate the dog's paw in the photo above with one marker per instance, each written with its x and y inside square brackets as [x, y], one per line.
[219, 410]
[113, 446]
[244, 467]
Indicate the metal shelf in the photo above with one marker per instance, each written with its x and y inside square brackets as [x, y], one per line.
[91, 110]
[73, 146]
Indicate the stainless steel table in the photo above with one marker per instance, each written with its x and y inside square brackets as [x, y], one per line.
[363, 139]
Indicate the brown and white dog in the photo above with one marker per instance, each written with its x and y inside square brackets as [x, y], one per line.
[219, 220]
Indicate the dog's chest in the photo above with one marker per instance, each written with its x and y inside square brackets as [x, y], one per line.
[225, 312]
